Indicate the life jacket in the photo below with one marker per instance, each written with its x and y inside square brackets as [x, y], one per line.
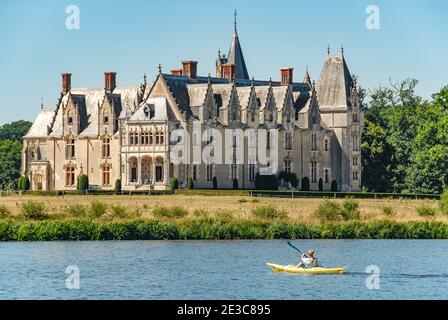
[314, 264]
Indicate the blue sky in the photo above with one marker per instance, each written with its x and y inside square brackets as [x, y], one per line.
[133, 37]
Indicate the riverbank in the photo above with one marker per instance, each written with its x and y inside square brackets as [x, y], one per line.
[214, 229]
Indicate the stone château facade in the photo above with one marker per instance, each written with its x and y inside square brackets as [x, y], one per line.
[123, 133]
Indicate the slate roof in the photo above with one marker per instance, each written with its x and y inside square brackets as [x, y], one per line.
[39, 128]
[236, 57]
[333, 88]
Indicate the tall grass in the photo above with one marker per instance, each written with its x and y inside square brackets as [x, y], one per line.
[209, 228]
[269, 212]
[4, 211]
[34, 210]
[169, 212]
[97, 209]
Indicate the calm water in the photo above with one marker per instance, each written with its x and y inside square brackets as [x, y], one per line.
[221, 270]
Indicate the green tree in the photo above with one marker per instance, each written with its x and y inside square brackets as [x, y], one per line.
[190, 183]
[174, 184]
[10, 155]
[15, 130]
[83, 182]
[117, 188]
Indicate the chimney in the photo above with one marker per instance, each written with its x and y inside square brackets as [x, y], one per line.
[228, 71]
[176, 72]
[286, 76]
[110, 81]
[190, 69]
[66, 82]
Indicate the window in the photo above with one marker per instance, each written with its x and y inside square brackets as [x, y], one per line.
[133, 138]
[234, 142]
[70, 176]
[151, 137]
[162, 137]
[195, 172]
[355, 175]
[313, 142]
[69, 118]
[105, 175]
[70, 148]
[355, 161]
[145, 138]
[133, 169]
[288, 141]
[355, 142]
[326, 145]
[209, 172]
[355, 116]
[106, 148]
[159, 173]
[287, 165]
[314, 118]
[251, 172]
[327, 175]
[252, 116]
[106, 118]
[313, 171]
[271, 117]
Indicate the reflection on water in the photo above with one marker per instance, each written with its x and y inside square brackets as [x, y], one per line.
[221, 270]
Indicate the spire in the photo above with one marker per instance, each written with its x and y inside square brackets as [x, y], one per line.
[235, 55]
[342, 50]
[41, 103]
[160, 68]
[328, 50]
[307, 78]
[234, 20]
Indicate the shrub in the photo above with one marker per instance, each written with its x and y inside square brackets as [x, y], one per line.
[83, 182]
[4, 211]
[350, 209]
[97, 209]
[269, 212]
[266, 182]
[328, 210]
[77, 210]
[305, 184]
[169, 212]
[388, 211]
[34, 210]
[117, 188]
[235, 184]
[426, 211]
[289, 177]
[174, 184]
[119, 211]
[443, 202]
[242, 200]
[190, 184]
[215, 183]
[23, 184]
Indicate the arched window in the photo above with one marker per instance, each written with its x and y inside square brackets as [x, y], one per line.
[287, 165]
[69, 118]
[355, 142]
[106, 117]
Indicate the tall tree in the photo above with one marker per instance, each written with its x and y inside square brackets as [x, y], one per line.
[15, 130]
[10, 155]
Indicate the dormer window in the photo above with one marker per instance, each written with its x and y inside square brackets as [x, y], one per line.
[69, 119]
[252, 116]
[149, 112]
[314, 119]
[355, 117]
[271, 117]
[106, 119]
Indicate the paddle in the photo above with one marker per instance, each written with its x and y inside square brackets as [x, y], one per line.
[290, 244]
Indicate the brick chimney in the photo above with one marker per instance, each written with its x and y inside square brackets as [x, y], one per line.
[286, 76]
[177, 72]
[190, 69]
[66, 82]
[110, 81]
[228, 71]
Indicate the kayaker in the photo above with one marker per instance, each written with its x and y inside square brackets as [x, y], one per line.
[309, 260]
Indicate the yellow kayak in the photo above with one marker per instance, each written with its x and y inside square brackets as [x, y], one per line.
[294, 269]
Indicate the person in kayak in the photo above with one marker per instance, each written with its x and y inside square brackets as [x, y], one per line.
[309, 260]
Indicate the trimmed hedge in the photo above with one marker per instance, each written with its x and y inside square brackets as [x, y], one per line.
[211, 229]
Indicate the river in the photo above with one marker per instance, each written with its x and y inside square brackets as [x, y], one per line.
[408, 269]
